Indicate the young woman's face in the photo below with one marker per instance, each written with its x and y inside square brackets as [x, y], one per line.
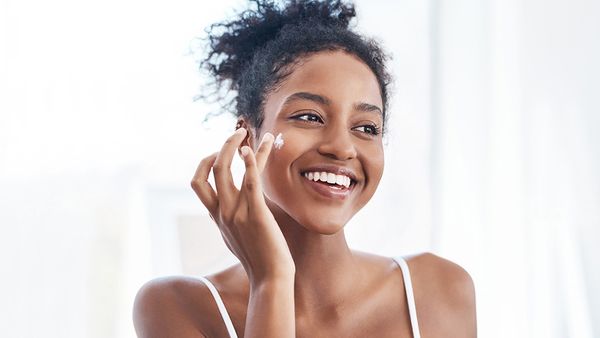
[329, 114]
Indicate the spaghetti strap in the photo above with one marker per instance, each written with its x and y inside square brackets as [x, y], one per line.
[221, 306]
[407, 286]
[410, 297]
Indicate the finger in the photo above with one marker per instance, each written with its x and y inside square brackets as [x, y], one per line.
[263, 151]
[202, 187]
[251, 186]
[222, 168]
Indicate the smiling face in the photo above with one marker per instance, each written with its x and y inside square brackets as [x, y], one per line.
[329, 112]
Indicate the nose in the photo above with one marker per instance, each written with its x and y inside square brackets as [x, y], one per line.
[338, 144]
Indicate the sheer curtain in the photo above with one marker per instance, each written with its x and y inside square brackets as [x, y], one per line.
[492, 159]
[516, 161]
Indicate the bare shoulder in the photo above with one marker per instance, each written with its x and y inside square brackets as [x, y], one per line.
[451, 279]
[444, 296]
[163, 308]
[182, 306]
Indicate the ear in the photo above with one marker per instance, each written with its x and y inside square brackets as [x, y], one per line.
[249, 140]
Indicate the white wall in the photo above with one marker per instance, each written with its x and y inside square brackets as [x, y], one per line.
[492, 158]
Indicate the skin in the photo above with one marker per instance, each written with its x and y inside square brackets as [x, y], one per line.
[297, 275]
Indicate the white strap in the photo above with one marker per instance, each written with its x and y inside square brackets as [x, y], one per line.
[221, 306]
[410, 297]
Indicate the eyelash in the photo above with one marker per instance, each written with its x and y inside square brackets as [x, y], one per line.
[375, 130]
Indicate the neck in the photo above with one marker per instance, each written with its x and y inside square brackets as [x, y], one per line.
[326, 269]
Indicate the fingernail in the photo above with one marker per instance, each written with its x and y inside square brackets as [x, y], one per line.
[267, 136]
[244, 151]
[240, 131]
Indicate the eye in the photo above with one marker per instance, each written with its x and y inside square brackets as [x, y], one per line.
[370, 129]
[308, 117]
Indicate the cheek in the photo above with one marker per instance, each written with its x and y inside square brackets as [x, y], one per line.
[373, 167]
[279, 169]
[378, 165]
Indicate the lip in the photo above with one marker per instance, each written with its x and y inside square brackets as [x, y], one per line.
[328, 191]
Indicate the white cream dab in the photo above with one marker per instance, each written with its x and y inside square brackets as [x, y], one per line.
[278, 143]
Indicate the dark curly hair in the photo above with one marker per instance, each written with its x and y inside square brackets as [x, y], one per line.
[252, 54]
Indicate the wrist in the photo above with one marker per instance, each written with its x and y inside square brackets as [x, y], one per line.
[280, 281]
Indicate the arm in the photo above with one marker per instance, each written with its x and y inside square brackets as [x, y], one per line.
[461, 299]
[448, 293]
[156, 312]
[252, 234]
[271, 309]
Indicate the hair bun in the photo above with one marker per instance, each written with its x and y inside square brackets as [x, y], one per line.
[232, 44]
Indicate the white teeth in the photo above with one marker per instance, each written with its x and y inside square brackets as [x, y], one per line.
[330, 178]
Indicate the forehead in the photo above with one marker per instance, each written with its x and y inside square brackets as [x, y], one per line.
[341, 77]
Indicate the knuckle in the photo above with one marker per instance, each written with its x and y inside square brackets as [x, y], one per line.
[251, 185]
[239, 219]
[220, 166]
[195, 184]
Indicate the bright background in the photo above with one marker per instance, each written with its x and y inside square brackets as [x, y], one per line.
[493, 157]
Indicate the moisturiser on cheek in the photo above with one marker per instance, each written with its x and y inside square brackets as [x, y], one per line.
[278, 143]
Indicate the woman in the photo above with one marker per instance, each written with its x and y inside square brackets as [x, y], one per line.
[301, 74]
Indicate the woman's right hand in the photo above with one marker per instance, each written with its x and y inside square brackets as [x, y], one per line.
[246, 223]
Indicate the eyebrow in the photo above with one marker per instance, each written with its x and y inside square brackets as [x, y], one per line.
[361, 106]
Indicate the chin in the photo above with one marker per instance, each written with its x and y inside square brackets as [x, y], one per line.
[323, 224]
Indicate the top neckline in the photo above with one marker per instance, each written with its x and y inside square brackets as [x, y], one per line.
[408, 288]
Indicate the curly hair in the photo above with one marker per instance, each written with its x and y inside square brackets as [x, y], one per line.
[254, 53]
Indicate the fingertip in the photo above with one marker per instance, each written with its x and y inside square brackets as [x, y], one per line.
[241, 130]
[268, 136]
[267, 143]
[245, 151]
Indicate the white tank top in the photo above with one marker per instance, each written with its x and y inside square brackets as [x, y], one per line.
[407, 287]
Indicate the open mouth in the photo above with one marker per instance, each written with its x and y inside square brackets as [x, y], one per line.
[328, 184]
